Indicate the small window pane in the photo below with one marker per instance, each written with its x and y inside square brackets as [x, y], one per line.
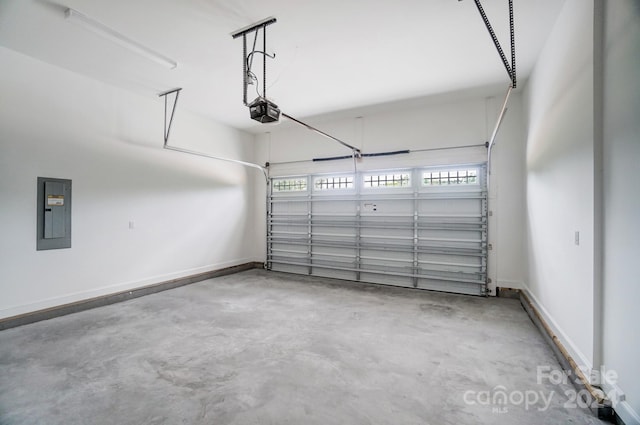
[450, 177]
[324, 183]
[386, 180]
[289, 185]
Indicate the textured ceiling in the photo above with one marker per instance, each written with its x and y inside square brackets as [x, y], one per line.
[331, 55]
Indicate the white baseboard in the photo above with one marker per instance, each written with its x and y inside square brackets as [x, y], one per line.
[613, 392]
[627, 414]
[113, 289]
[622, 408]
[578, 356]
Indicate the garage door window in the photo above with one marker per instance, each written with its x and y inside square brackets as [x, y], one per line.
[290, 185]
[450, 177]
[337, 182]
[387, 180]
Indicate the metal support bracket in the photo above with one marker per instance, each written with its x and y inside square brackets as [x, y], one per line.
[167, 125]
[248, 76]
[247, 59]
[168, 121]
[511, 68]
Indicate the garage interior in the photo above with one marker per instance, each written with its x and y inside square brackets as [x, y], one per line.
[418, 237]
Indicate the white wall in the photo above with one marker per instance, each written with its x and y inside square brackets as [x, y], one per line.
[456, 119]
[582, 147]
[190, 214]
[507, 196]
[560, 188]
[621, 344]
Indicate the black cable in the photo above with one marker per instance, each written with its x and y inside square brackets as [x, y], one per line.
[249, 64]
[250, 73]
[262, 53]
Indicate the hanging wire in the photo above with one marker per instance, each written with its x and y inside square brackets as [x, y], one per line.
[253, 49]
[249, 58]
[253, 78]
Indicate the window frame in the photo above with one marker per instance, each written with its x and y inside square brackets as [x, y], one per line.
[277, 192]
[386, 174]
[450, 179]
[350, 186]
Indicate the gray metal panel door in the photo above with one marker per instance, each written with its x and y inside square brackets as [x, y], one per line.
[420, 227]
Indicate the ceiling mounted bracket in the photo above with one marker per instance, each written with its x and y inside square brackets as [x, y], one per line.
[254, 27]
[167, 129]
[511, 68]
[262, 109]
[167, 125]
[247, 58]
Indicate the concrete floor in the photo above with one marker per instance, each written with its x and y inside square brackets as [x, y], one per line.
[269, 348]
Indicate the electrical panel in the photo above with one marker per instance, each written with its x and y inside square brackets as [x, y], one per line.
[54, 213]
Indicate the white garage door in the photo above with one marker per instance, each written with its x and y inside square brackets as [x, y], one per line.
[420, 227]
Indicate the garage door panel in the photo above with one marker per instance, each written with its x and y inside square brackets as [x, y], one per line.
[333, 252]
[386, 234]
[334, 273]
[380, 255]
[396, 266]
[449, 208]
[388, 207]
[387, 279]
[451, 259]
[448, 286]
[333, 207]
[450, 233]
[450, 267]
[288, 268]
[290, 230]
[290, 209]
[391, 227]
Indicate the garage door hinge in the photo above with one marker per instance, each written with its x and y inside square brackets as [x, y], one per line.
[490, 247]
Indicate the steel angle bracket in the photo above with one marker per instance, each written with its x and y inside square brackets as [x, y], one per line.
[253, 27]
